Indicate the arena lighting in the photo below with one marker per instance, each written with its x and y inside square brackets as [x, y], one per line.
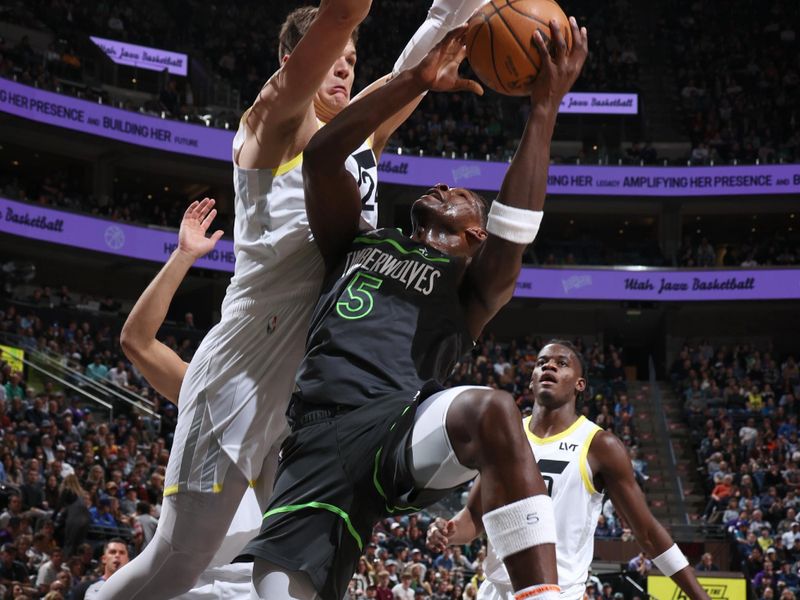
[630, 283]
[586, 180]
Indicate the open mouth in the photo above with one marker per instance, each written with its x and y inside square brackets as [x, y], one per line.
[547, 378]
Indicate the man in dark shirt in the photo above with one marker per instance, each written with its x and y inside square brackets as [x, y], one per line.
[11, 570]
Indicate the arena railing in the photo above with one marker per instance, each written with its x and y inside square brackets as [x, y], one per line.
[49, 364]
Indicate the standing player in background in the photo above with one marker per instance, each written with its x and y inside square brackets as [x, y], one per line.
[373, 433]
[235, 391]
[578, 461]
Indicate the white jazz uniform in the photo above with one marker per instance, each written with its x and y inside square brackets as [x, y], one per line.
[563, 461]
[236, 390]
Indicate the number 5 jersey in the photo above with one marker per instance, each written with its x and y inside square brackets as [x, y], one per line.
[389, 319]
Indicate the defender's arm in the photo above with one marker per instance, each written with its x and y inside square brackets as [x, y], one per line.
[159, 364]
[283, 103]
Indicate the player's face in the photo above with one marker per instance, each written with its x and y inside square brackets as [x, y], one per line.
[334, 94]
[556, 377]
[450, 218]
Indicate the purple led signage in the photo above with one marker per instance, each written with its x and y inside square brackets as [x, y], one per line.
[144, 57]
[585, 180]
[174, 136]
[659, 285]
[89, 233]
[122, 125]
[597, 103]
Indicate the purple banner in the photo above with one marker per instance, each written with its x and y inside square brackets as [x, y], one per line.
[659, 285]
[89, 233]
[196, 140]
[585, 180]
[597, 103]
[144, 57]
[123, 125]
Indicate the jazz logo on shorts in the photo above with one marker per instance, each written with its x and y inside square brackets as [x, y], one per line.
[272, 324]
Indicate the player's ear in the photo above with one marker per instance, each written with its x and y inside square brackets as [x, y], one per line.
[580, 385]
[475, 237]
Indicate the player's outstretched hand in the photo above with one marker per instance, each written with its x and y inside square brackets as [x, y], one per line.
[559, 71]
[438, 533]
[438, 71]
[197, 219]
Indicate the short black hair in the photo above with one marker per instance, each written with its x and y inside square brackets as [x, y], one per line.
[579, 398]
[115, 540]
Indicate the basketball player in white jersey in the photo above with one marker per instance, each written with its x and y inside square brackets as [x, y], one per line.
[235, 391]
[579, 462]
[164, 371]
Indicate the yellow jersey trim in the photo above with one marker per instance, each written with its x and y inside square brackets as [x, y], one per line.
[174, 489]
[288, 166]
[252, 483]
[583, 463]
[553, 438]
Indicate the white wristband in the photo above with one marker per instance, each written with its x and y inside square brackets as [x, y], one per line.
[671, 561]
[520, 525]
[517, 225]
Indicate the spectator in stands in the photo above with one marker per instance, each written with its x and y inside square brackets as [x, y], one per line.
[97, 370]
[49, 570]
[11, 569]
[706, 563]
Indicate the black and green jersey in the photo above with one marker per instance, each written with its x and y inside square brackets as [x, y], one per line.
[388, 319]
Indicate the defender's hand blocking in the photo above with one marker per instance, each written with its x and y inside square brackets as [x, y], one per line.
[559, 71]
[438, 71]
[197, 219]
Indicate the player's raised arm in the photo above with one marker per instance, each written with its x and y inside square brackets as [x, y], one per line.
[516, 213]
[332, 199]
[282, 107]
[443, 16]
[611, 462]
[160, 365]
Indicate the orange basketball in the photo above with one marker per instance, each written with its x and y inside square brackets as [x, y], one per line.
[500, 44]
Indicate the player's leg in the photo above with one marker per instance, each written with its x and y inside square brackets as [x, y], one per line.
[271, 581]
[190, 530]
[480, 429]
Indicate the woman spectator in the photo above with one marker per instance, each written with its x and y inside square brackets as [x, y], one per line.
[73, 518]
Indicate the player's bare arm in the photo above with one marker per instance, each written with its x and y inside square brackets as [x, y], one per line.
[464, 527]
[282, 118]
[612, 469]
[493, 273]
[159, 364]
[332, 198]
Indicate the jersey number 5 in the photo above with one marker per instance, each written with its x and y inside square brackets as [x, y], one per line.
[356, 301]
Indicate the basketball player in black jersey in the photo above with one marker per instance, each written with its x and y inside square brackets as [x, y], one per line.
[372, 432]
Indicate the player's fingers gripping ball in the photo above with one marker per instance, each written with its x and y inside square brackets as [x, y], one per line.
[500, 44]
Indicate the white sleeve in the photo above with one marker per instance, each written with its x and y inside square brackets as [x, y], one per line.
[443, 16]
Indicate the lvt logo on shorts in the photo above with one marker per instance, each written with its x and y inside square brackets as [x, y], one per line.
[272, 323]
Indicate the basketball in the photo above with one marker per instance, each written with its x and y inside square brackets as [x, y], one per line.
[500, 44]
